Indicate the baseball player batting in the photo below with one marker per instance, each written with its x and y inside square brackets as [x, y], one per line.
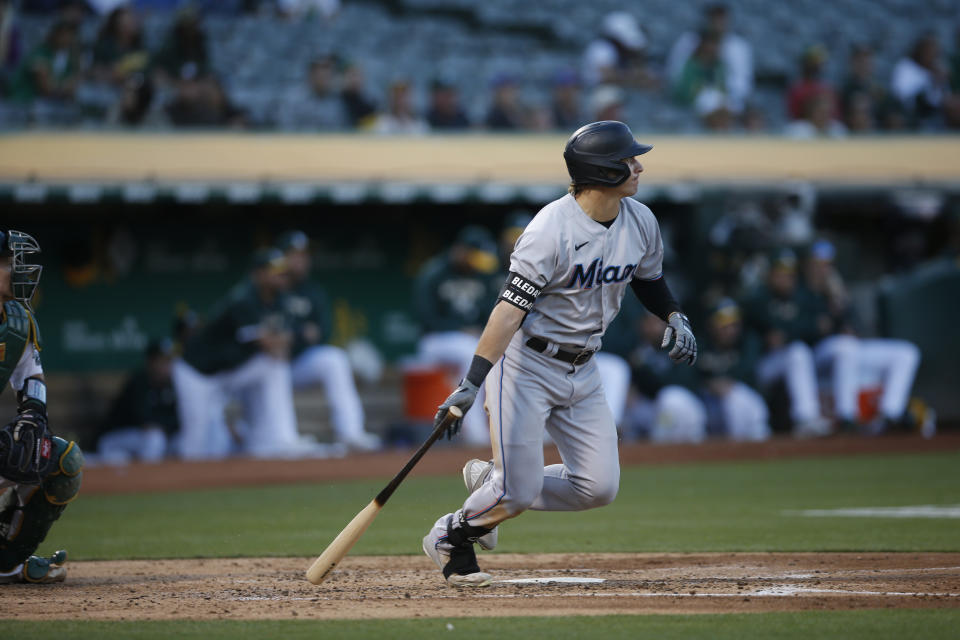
[568, 274]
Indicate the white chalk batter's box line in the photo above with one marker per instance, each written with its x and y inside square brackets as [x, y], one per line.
[946, 511]
[779, 592]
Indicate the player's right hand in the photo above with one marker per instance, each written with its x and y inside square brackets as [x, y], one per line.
[463, 398]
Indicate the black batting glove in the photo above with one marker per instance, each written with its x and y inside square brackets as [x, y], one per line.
[463, 398]
[685, 345]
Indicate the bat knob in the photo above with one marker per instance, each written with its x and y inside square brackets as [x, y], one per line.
[455, 411]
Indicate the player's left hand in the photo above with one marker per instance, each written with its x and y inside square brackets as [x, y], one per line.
[463, 397]
[26, 448]
[685, 345]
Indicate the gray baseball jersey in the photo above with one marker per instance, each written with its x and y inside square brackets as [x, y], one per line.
[584, 268]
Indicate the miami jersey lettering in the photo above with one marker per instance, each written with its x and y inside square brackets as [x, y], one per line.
[583, 268]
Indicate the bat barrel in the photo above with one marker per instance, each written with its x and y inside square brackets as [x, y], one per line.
[341, 545]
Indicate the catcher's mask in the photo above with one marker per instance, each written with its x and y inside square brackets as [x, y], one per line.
[24, 276]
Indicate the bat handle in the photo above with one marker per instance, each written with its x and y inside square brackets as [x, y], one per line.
[453, 413]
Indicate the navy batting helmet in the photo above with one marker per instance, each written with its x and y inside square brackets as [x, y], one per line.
[595, 153]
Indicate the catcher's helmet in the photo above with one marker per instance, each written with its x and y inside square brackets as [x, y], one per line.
[24, 276]
[595, 153]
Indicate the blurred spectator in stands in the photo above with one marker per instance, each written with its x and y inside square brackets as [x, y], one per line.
[702, 71]
[202, 102]
[865, 103]
[920, 82]
[361, 109]
[453, 295]
[11, 44]
[445, 113]
[817, 119]
[606, 103]
[734, 53]
[566, 111]
[52, 70]
[665, 409]
[713, 109]
[143, 416]
[119, 51]
[401, 117]
[847, 360]
[326, 9]
[618, 55]
[184, 51]
[810, 84]
[787, 319]
[858, 114]
[134, 107]
[314, 361]
[319, 104]
[727, 364]
[507, 112]
[754, 119]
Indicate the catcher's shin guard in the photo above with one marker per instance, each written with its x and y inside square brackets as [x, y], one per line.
[29, 511]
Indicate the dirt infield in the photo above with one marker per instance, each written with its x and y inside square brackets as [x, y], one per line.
[410, 586]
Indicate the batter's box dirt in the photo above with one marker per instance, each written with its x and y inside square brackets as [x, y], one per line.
[549, 584]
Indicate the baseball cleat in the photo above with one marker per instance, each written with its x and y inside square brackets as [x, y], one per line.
[38, 570]
[458, 564]
[475, 473]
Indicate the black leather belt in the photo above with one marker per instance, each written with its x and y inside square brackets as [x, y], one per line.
[573, 357]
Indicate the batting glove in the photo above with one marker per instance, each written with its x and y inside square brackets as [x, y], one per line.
[463, 397]
[685, 345]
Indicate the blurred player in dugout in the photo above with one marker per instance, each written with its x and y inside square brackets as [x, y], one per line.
[313, 360]
[787, 319]
[39, 473]
[241, 354]
[849, 362]
[453, 295]
[142, 420]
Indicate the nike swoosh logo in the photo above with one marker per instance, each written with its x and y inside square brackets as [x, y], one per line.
[576, 247]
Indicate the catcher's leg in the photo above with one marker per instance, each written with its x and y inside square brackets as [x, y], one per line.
[28, 511]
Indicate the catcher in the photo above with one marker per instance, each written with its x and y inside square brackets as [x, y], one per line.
[39, 472]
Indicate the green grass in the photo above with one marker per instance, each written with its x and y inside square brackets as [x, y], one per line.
[707, 507]
[849, 625]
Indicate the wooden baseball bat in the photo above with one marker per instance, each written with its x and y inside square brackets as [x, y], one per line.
[341, 545]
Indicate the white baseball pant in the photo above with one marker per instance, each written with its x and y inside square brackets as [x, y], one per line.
[329, 367]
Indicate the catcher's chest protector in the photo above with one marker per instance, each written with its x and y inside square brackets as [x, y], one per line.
[16, 330]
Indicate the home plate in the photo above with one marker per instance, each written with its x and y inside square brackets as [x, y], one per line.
[558, 579]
